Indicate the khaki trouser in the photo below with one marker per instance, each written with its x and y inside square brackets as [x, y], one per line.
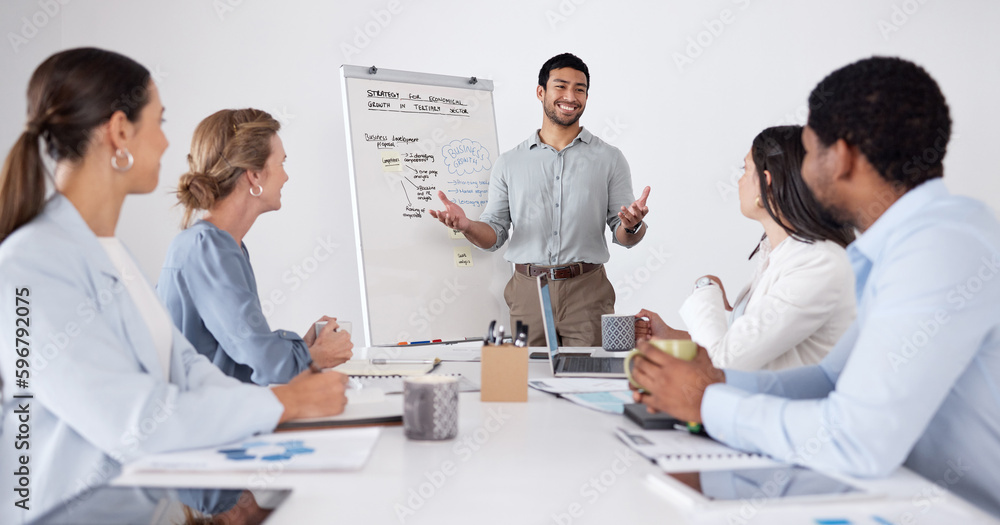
[577, 305]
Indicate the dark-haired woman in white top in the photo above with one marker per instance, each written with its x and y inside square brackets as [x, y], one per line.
[801, 298]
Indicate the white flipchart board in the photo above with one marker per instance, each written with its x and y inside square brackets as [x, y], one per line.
[410, 135]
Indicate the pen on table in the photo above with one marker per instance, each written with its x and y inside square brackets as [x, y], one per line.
[434, 361]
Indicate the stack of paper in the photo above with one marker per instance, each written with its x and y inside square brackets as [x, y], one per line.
[603, 395]
[576, 385]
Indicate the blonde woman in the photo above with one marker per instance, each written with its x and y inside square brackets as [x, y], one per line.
[207, 283]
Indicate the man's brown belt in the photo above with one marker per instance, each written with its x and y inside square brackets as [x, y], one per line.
[556, 273]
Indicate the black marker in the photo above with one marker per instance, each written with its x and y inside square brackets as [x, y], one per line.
[489, 333]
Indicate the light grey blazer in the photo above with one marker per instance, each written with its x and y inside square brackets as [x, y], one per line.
[100, 398]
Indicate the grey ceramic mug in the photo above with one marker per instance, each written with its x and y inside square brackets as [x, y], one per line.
[430, 407]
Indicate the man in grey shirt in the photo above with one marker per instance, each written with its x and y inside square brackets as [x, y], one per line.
[558, 189]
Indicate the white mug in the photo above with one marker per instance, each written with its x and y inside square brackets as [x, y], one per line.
[343, 325]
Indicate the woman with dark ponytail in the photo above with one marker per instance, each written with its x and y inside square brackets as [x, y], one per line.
[87, 348]
[24, 193]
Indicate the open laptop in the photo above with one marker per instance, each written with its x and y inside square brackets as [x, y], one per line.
[572, 365]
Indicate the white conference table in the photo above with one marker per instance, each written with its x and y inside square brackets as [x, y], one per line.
[544, 461]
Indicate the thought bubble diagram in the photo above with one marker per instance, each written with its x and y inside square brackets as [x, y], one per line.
[465, 156]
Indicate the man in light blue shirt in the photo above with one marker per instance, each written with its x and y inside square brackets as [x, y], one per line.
[916, 380]
[559, 191]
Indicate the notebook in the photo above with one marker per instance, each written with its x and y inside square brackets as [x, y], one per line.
[572, 365]
[393, 384]
[682, 451]
[364, 367]
[388, 411]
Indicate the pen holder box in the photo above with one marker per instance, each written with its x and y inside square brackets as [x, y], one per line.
[504, 373]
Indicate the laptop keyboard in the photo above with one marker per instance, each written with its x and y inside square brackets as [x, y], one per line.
[605, 365]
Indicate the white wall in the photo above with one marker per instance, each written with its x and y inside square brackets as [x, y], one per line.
[684, 130]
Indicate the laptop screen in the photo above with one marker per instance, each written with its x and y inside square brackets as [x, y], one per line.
[548, 319]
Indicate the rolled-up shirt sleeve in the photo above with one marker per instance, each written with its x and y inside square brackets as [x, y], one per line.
[619, 194]
[886, 395]
[497, 211]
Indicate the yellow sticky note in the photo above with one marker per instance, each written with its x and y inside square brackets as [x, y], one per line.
[463, 257]
[391, 161]
[455, 234]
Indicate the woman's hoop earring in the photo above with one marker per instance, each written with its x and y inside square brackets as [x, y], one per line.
[126, 154]
[757, 201]
[260, 190]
